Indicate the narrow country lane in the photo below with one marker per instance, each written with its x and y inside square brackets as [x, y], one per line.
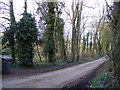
[54, 79]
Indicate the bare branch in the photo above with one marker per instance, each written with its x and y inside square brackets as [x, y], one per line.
[5, 18]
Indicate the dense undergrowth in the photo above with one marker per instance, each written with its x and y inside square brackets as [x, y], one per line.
[105, 79]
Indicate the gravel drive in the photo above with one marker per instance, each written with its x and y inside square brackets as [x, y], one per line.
[54, 79]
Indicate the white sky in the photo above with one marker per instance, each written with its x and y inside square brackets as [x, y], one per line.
[96, 4]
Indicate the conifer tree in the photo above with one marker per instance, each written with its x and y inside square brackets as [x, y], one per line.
[26, 36]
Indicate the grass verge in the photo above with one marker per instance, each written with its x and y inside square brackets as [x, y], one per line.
[104, 79]
[59, 62]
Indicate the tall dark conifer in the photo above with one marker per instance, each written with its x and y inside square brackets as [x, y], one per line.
[26, 36]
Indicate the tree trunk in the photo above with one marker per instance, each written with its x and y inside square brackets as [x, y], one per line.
[50, 23]
[78, 36]
[115, 56]
[73, 42]
[11, 40]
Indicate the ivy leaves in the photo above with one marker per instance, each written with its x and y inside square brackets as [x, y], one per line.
[26, 35]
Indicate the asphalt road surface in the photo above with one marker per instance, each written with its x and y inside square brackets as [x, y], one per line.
[54, 79]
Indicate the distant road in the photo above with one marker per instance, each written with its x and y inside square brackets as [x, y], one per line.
[54, 79]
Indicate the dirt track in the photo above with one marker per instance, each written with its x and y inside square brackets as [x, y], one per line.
[54, 79]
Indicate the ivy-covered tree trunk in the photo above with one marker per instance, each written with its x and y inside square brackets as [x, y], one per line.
[115, 56]
[58, 33]
[62, 43]
[84, 46]
[73, 42]
[87, 42]
[12, 31]
[99, 46]
[78, 33]
[90, 44]
[49, 48]
[76, 21]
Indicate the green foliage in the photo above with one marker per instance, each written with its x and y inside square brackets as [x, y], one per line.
[91, 41]
[49, 46]
[6, 51]
[9, 36]
[105, 37]
[84, 44]
[115, 30]
[104, 78]
[53, 29]
[4, 38]
[87, 38]
[26, 36]
[59, 39]
[100, 81]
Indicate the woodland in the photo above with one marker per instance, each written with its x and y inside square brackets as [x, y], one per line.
[41, 38]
